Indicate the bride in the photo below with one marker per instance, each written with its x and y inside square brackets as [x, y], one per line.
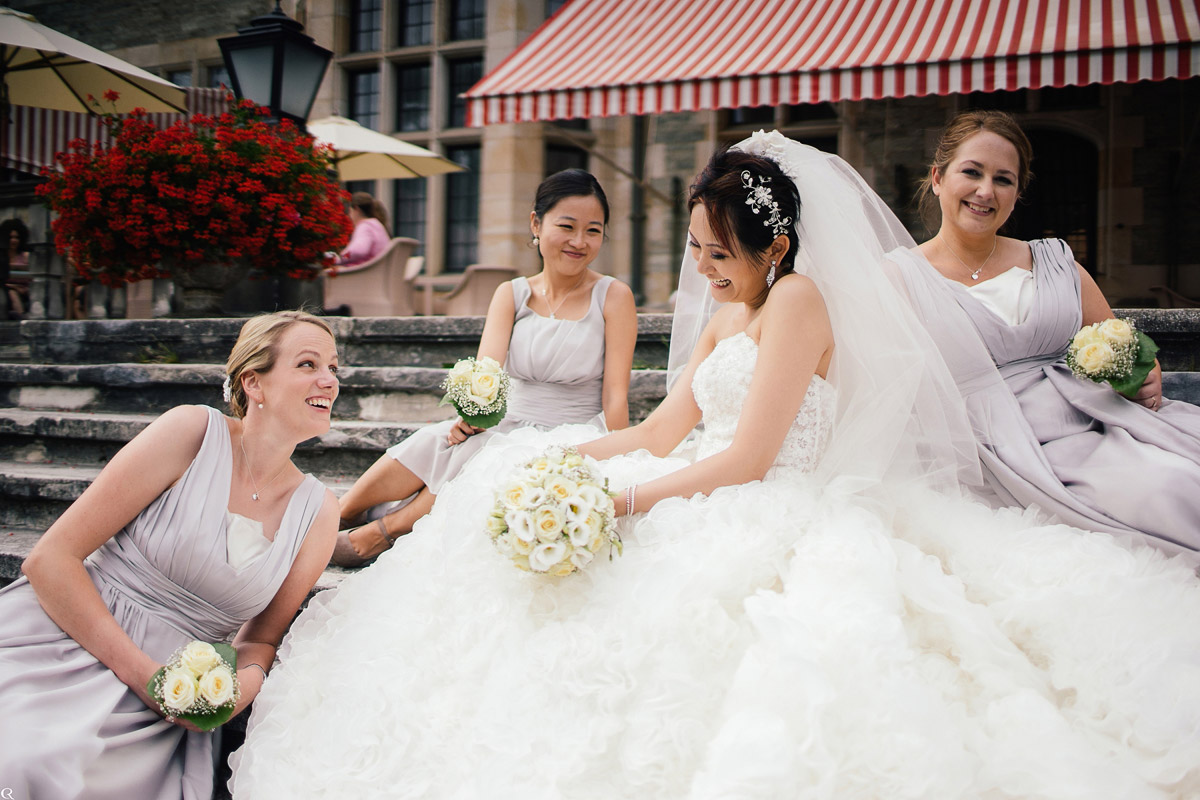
[806, 607]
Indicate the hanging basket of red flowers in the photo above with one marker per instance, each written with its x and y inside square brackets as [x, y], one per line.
[232, 191]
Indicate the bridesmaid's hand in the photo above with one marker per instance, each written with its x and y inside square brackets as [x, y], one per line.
[1150, 395]
[460, 432]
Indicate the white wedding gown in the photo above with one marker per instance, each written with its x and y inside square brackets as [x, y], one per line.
[773, 640]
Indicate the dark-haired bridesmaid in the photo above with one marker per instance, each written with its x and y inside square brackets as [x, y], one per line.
[565, 336]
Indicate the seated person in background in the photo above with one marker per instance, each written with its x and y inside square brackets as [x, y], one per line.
[370, 237]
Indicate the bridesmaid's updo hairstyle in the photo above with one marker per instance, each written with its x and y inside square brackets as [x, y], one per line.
[722, 190]
[257, 348]
[564, 184]
[961, 128]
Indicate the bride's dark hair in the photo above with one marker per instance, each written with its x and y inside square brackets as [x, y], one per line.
[720, 188]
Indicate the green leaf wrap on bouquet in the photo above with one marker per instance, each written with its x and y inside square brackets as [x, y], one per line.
[1142, 364]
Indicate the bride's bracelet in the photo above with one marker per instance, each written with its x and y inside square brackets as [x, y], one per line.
[630, 495]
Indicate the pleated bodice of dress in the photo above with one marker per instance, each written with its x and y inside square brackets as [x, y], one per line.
[556, 365]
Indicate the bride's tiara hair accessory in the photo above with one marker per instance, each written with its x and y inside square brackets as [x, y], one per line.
[759, 198]
[226, 390]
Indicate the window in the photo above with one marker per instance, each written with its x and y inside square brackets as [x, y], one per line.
[462, 208]
[561, 156]
[759, 115]
[416, 22]
[218, 76]
[552, 7]
[464, 73]
[412, 97]
[366, 25]
[409, 201]
[466, 19]
[812, 112]
[364, 98]
[180, 77]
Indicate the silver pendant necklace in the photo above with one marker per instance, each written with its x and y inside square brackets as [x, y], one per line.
[554, 310]
[250, 469]
[974, 272]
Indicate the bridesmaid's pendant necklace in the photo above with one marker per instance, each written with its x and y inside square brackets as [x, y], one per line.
[974, 272]
[554, 310]
[250, 469]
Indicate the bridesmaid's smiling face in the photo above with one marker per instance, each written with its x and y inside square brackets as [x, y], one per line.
[978, 190]
[571, 233]
[301, 387]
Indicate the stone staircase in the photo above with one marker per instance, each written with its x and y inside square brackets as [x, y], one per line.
[73, 393]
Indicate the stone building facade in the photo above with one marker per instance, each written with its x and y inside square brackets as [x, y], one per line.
[1113, 164]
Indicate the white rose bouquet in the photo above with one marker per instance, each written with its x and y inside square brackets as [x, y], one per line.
[555, 514]
[1113, 352]
[478, 390]
[198, 684]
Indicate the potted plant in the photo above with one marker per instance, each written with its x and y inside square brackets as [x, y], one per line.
[201, 202]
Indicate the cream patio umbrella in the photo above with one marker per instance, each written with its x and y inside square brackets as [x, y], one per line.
[361, 154]
[43, 68]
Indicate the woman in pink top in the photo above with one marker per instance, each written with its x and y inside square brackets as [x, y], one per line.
[370, 237]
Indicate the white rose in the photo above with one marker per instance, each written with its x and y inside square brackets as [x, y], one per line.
[179, 689]
[1117, 332]
[504, 543]
[496, 524]
[539, 466]
[548, 523]
[199, 657]
[560, 488]
[1088, 334]
[217, 686]
[1094, 357]
[485, 386]
[562, 568]
[522, 547]
[513, 495]
[595, 523]
[488, 364]
[460, 374]
[520, 523]
[546, 555]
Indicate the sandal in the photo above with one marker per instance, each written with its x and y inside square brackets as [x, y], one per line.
[345, 554]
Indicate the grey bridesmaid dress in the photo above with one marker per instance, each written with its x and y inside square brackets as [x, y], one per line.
[1072, 447]
[557, 372]
[70, 728]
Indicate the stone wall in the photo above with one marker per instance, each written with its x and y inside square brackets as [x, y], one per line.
[117, 24]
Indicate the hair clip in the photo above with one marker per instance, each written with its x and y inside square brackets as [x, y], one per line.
[759, 197]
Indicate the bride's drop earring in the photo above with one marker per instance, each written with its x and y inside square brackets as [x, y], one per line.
[771, 275]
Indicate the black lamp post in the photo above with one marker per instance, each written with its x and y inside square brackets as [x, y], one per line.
[275, 64]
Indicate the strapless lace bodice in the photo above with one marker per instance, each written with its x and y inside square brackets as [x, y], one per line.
[720, 386]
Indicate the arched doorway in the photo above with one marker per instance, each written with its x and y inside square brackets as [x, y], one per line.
[1063, 199]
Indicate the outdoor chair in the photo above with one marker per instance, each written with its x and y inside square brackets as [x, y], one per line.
[473, 294]
[381, 287]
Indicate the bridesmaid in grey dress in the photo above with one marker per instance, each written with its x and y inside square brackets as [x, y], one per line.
[200, 528]
[1003, 312]
[565, 337]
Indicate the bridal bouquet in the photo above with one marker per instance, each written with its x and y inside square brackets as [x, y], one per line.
[198, 684]
[478, 390]
[1112, 351]
[555, 514]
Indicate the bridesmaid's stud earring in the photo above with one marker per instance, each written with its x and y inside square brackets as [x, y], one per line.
[260, 405]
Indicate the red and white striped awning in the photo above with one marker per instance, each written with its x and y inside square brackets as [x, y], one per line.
[598, 58]
[36, 134]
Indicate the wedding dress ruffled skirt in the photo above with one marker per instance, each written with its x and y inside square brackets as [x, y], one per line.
[775, 639]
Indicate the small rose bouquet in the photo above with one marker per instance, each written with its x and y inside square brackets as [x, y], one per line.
[478, 390]
[1112, 351]
[555, 514]
[198, 684]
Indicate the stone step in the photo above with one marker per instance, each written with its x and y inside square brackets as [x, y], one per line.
[16, 544]
[365, 341]
[33, 496]
[48, 438]
[394, 394]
